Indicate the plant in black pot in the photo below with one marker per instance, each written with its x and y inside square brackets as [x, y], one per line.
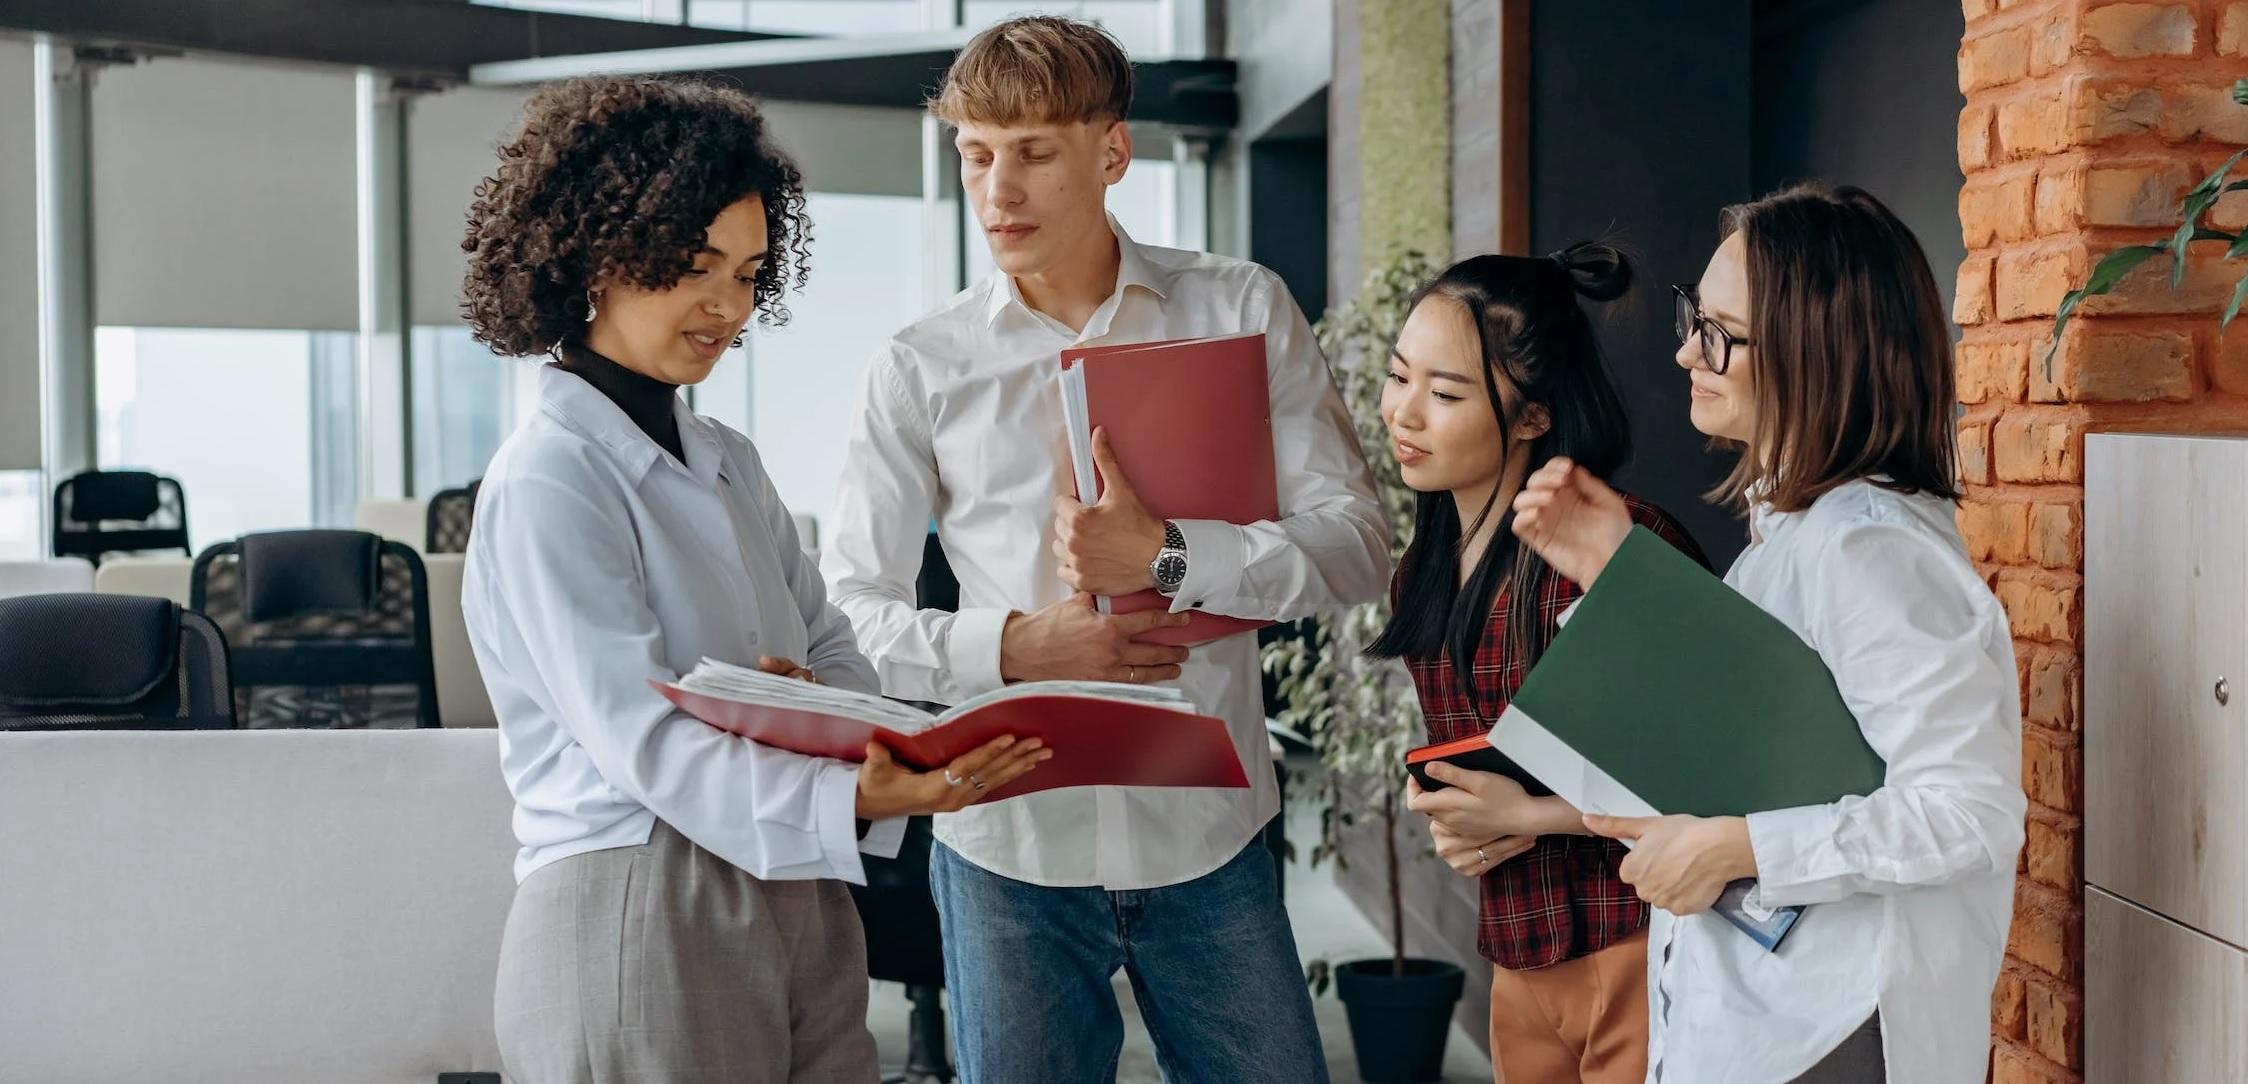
[1361, 716]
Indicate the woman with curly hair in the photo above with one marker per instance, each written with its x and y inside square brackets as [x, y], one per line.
[678, 914]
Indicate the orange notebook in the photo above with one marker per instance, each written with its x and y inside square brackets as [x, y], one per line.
[1190, 421]
[1101, 735]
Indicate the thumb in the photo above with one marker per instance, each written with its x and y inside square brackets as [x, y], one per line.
[1104, 458]
[878, 756]
[1616, 827]
[771, 665]
[1446, 771]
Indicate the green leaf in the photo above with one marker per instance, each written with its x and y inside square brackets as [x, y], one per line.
[2239, 294]
[2240, 92]
[2239, 247]
[2210, 185]
[2109, 271]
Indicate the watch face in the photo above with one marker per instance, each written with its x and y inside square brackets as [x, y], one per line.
[1170, 570]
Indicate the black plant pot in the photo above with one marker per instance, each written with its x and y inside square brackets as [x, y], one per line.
[1399, 1023]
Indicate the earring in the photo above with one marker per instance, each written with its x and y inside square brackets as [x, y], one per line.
[737, 342]
[591, 307]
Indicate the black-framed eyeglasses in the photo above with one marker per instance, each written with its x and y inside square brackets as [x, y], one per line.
[1717, 343]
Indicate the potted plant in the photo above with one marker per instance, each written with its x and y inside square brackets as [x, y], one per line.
[2193, 229]
[1360, 714]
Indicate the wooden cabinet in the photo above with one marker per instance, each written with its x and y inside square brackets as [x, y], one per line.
[2166, 758]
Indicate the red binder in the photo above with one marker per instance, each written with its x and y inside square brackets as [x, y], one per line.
[1190, 421]
[1095, 742]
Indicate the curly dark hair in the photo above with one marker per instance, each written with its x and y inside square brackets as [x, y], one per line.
[619, 178]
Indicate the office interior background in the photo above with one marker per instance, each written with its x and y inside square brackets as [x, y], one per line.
[230, 253]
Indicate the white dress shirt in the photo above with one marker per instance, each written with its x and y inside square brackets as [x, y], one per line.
[1912, 886]
[600, 562]
[962, 424]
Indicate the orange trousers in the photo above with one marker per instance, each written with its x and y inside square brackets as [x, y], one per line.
[1582, 1021]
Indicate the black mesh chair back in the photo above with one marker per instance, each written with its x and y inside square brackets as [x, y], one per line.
[110, 662]
[100, 512]
[328, 629]
[450, 515]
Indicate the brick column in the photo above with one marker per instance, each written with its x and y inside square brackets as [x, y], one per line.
[2085, 123]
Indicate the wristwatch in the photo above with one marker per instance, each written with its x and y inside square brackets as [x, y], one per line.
[1169, 567]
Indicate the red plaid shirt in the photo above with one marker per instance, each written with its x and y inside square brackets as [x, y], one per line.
[1560, 899]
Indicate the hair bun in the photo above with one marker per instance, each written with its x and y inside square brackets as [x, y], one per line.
[1596, 269]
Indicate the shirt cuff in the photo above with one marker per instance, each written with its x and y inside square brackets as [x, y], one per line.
[835, 803]
[1794, 850]
[883, 838]
[1216, 554]
[972, 651]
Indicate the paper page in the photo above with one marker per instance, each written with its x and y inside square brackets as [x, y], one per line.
[727, 681]
[1077, 419]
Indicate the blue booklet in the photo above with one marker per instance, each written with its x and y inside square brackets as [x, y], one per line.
[1765, 926]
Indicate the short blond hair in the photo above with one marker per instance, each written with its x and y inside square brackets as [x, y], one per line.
[1037, 69]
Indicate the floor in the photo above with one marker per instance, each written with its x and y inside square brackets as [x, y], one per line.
[1326, 925]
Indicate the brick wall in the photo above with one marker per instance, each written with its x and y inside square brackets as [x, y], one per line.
[2085, 122]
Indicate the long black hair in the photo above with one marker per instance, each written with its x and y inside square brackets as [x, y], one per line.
[1533, 332]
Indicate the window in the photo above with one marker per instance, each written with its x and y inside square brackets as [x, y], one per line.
[658, 11]
[22, 501]
[466, 402]
[258, 426]
[1141, 26]
[798, 387]
[827, 17]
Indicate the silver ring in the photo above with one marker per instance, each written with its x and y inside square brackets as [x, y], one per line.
[978, 782]
[1482, 858]
[952, 780]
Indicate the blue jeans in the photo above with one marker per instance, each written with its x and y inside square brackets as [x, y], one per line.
[1212, 961]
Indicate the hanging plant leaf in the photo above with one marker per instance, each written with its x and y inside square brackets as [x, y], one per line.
[2239, 293]
[2110, 271]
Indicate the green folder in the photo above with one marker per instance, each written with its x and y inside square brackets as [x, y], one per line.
[1692, 697]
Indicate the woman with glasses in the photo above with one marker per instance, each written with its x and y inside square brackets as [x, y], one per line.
[1816, 344]
[1495, 372]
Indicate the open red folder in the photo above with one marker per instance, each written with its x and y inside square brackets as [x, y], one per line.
[1096, 740]
[1190, 421]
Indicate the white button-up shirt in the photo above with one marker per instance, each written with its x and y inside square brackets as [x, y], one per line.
[600, 562]
[1912, 886]
[962, 424]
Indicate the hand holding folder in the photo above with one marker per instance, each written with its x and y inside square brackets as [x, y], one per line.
[1190, 424]
[1668, 692]
[1100, 734]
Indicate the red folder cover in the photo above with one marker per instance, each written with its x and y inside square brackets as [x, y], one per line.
[1190, 421]
[1095, 742]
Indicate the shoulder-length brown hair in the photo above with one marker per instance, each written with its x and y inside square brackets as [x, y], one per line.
[1852, 362]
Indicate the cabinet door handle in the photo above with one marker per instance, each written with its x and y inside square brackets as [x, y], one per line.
[2224, 692]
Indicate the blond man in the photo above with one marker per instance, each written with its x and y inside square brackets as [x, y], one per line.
[1045, 898]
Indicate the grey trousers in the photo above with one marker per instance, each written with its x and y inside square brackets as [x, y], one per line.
[664, 963]
[1857, 1061]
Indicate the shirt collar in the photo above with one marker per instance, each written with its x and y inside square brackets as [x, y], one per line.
[1133, 268]
[581, 407]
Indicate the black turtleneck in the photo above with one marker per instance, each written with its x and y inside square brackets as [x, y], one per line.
[644, 399]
